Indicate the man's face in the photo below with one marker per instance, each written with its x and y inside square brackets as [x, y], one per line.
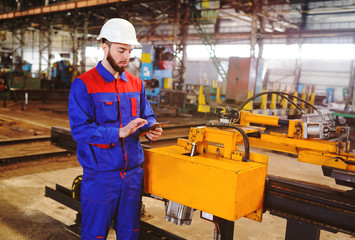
[118, 56]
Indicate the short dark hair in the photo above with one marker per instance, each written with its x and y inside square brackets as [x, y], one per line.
[107, 42]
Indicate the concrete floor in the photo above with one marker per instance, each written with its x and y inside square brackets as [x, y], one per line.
[27, 214]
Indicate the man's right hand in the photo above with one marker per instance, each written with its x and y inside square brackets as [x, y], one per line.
[131, 127]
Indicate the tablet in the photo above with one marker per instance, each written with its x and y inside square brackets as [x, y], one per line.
[158, 124]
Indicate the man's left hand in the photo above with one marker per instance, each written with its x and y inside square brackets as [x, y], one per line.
[154, 134]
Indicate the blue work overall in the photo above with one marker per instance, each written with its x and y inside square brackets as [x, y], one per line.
[99, 105]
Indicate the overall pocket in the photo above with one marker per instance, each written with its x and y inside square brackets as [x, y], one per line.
[106, 108]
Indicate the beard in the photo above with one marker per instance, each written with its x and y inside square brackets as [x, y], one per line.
[114, 65]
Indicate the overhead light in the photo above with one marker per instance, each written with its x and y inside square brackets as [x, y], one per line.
[278, 27]
[144, 5]
[138, 18]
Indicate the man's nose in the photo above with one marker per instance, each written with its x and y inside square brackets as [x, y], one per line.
[126, 55]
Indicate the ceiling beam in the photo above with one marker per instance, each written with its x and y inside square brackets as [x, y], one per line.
[238, 36]
[60, 7]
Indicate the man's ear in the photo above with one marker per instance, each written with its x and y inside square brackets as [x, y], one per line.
[105, 48]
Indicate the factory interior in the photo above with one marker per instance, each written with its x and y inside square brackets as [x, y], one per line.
[256, 100]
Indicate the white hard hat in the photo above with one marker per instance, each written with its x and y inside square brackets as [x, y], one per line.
[119, 30]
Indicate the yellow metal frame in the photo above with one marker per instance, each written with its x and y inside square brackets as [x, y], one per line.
[315, 151]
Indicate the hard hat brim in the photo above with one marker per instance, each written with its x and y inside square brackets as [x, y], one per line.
[134, 43]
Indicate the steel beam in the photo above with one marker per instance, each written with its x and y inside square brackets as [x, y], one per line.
[54, 8]
[291, 36]
[326, 208]
[62, 137]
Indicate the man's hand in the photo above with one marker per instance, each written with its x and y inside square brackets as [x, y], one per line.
[155, 133]
[131, 127]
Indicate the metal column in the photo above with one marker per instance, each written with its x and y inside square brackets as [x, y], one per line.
[253, 42]
[351, 90]
[260, 42]
[49, 66]
[254, 28]
[176, 64]
[2, 33]
[297, 72]
[83, 44]
[79, 39]
[75, 49]
[45, 43]
[17, 44]
[183, 8]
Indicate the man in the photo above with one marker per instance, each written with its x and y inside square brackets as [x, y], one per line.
[108, 110]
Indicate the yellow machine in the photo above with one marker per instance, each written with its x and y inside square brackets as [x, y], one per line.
[222, 180]
[209, 172]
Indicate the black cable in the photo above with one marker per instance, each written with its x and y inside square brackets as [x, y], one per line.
[246, 157]
[282, 95]
[306, 102]
[263, 93]
[240, 107]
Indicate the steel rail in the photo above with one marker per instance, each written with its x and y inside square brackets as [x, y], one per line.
[23, 158]
[7, 160]
[24, 140]
[64, 196]
[320, 206]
